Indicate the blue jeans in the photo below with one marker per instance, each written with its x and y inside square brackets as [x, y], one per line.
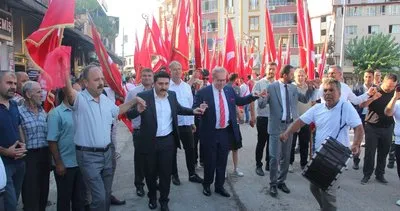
[15, 177]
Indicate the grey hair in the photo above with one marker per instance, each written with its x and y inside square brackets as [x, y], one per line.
[6, 72]
[218, 70]
[174, 64]
[331, 81]
[299, 69]
[27, 87]
[86, 70]
[337, 67]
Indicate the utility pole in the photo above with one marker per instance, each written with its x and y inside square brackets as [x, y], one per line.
[123, 42]
[341, 62]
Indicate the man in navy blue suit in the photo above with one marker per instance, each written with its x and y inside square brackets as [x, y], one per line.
[218, 126]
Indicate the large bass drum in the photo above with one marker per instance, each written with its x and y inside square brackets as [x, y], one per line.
[327, 164]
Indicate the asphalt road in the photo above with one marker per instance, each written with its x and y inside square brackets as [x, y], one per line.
[251, 191]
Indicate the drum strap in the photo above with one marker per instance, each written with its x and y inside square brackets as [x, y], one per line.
[340, 124]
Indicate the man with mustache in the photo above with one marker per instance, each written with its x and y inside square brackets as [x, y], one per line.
[334, 117]
[93, 114]
[35, 189]
[12, 144]
[22, 77]
[159, 135]
[146, 78]
[282, 100]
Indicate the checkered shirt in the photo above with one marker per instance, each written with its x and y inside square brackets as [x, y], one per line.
[34, 127]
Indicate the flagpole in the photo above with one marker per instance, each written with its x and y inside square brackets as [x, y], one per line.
[342, 40]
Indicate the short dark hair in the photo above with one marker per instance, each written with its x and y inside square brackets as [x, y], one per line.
[248, 77]
[86, 70]
[369, 70]
[147, 70]
[233, 77]
[205, 73]
[60, 95]
[161, 74]
[286, 70]
[391, 76]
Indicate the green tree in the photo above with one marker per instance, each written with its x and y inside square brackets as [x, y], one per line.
[377, 51]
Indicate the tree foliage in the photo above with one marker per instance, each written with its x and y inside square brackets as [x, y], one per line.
[377, 51]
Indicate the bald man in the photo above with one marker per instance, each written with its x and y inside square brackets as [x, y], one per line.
[22, 77]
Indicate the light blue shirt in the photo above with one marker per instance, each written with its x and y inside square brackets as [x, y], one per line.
[61, 130]
[3, 176]
[93, 120]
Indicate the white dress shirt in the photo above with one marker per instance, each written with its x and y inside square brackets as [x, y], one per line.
[185, 98]
[217, 111]
[283, 96]
[244, 90]
[396, 116]
[3, 176]
[365, 109]
[346, 94]
[131, 95]
[164, 116]
[129, 87]
[327, 121]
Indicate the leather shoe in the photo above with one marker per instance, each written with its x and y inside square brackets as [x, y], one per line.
[115, 201]
[206, 190]
[356, 166]
[140, 191]
[259, 171]
[195, 178]
[381, 179]
[222, 192]
[175, 180]
[164, 207]
[283, 188]
[390, 165]
[273, 191]
[267, 167]
[152, 204]
[364, 180]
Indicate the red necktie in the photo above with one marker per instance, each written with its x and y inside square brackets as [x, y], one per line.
[221, 111]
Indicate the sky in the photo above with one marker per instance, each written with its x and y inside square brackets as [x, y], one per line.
[130, 19]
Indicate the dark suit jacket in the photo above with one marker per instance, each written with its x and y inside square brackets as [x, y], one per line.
[148, 127]
[208, 120]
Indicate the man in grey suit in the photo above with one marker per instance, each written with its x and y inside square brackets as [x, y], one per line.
[282, 99]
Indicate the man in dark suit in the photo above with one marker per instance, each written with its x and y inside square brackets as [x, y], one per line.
[158, 136]
[359, 90]
[218, 126]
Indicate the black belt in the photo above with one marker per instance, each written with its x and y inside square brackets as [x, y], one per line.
[39, 149]
[163, 137]
[93, 149]
[287, 121]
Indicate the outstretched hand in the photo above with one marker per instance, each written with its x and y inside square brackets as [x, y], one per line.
[140, 104]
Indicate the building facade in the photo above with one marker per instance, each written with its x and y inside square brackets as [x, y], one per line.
[363, 18]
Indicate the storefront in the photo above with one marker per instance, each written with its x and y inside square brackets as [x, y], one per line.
[6, 41]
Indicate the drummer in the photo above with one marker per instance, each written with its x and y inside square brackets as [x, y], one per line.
[327, 117]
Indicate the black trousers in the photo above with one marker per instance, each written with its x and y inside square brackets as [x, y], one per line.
[196, 139]
[35, 188]
[356, 158]
[392, 153]
[138, 162]
[215, 159]
[159, 163]
[186, 135]
[304, 139]
[262, 139]
[2, 202]
[376, 140]
[71, 190]
[397, 150]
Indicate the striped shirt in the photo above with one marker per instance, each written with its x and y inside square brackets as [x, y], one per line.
[34, 127]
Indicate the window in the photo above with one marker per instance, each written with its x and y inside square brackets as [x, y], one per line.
[228, 3]
[254, 5]
[294, 40]
[287, 19]
[393, 9]
[350, 30]
[210, 25]
[373, 29]
[256, 42]
[130, 61]
[353, 11]
[394, 28]
[323, 32]
[254, 23]
[209, 6]
[323, 19]
[280, 2]
[371, 11]
[383, 10]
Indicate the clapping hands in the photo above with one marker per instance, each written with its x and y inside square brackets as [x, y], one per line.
[262, 94]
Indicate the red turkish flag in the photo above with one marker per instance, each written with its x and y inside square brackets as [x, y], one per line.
[48, 37]
[230, 48]
[180, 35]
[270, 40]
[158, 44]
[197, 21]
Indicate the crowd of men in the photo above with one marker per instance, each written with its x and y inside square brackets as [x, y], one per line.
[77, 138]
